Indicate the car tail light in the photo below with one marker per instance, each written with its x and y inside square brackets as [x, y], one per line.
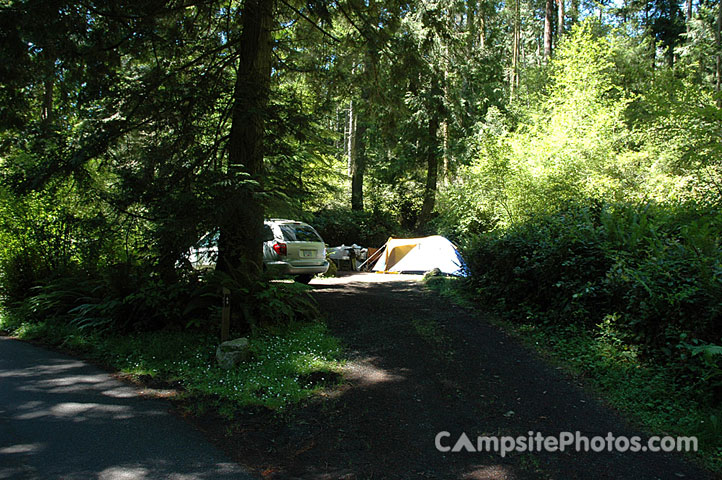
[280, 249]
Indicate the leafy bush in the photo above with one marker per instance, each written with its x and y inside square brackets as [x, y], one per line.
[262, 302]
[131, 299]
[20, 272]
[667, 273]
[52, 234]
[649, 276]
[366, 228]
[123, 298]
[553, 266]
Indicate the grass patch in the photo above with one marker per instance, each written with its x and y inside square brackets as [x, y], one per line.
[288, 364]
[429, 330]
[647, 393]
[432, 333]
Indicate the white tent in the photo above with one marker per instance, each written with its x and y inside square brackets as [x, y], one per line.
[420, 255]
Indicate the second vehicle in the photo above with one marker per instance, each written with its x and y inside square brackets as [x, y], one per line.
[290, 248]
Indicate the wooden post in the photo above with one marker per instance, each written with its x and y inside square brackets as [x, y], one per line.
[226, 315]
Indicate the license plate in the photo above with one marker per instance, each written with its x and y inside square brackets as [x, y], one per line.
[308, 253]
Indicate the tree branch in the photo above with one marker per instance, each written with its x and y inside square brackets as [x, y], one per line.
[310, 21]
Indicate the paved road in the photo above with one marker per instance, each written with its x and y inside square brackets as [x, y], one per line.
[62, 418]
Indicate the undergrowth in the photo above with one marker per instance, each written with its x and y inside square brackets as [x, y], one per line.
[289, 363]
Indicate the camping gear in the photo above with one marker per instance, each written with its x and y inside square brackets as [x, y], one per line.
[347, 255]
[419, 255]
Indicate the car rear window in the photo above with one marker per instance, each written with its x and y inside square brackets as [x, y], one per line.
[299, 233]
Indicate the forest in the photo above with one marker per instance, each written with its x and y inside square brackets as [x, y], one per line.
[571, 148]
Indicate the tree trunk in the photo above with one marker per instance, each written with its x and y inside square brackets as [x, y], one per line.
[652, 40]
[480, 27]
[46, 115]
[574, 13]
[718, 41]
[445, 122]
[445, 150]
[356, 156]
[432, 161]
[688, 16]
[548, 30]
[351, 138]
[471, 25]
[560, 20]
[241, 231]
[340, 143]
[475, 28]
[46, 110]
[514, 81]
[358, 167]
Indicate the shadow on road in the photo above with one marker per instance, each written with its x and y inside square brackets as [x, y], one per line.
[421, 366]
[62, 418]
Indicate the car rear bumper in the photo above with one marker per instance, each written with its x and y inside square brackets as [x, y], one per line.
[285, 268]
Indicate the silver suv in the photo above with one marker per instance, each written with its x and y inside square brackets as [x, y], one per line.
[289, 248]
[293, 248]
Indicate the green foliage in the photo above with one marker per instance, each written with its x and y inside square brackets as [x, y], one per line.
[289, 363]
[709, 366]
[603, 127]
[366, 228]
[114, 160]
[649, 392]
[684, 131]
[48, 234]
[649, 276]
[130, 298]
[570, 145]
[481, 201]
[668, 266]
[552, 265]
[260, 302]
[124, 298]
[567, 147]
[279, 373]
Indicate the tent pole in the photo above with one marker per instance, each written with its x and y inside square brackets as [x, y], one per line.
[375, 256]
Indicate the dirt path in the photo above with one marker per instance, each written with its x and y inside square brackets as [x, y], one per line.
[421, 366]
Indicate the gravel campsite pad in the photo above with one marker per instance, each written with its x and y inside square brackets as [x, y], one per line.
[419, 366]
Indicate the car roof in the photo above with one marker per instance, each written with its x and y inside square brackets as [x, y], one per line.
[284, 220]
